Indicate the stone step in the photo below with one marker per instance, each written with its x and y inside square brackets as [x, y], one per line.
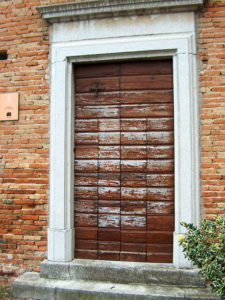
[122, 272]
[31, 285]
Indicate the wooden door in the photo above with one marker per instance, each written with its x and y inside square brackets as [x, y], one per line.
[124, 161]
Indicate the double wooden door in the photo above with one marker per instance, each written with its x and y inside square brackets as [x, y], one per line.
[124, 161]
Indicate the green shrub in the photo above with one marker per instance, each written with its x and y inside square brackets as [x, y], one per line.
[4, 292]
[205, 246]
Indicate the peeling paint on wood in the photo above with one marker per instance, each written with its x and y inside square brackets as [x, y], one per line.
[112, 221]
[133, 193]
[112, 193]
[160, 152]
[86, 179]
[109, 166]
[133, 138]
[109, 138]
[160, 208]
[86, 138]
[109, 179]
[147, 110]
[109, 151]
[86, 165]
[133, 124]
[88, 112]
[133, 222]
[133, 179]
[133, 152]
[133, 165]
[124, 161]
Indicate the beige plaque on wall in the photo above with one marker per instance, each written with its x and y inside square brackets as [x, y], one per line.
[9, 104]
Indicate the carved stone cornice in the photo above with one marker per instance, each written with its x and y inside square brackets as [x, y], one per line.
[108, 8]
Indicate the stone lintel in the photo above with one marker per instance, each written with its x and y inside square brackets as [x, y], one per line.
[110, 8]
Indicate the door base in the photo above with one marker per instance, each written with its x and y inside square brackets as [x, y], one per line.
[89, 279]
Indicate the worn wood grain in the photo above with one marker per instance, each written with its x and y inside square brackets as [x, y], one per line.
[160, 208]
[160, 180]
[132, 256]
[109, 221]
[88, 112]
[133, 166]
[89, 138]
[109, 138]
[146, 96]
[86, 244]
[133, 138]
[109, 246]
[160, 258]
[133, 236]
[159, 248]
[160, 152]
[133, 207]
[109, 152]
[128, 193]
[108, 193]
[86, 152]
[160, 193]
[85, 85]
[162, 124]
[109, 125]
[86, 179]
[86, 206]
[124, 161]
[160, 138]
[108, 207]
[160, 166]
[108, 234]
[109, 179]
[82, 192]
[133, 152]
[109, 166]
[159, 237]
[86, 165]
[86, 220]
[133, 125]
[88, 254]
[102, 98]
[96, 70]
[152, 82]
[125, 68]
[146, 110]
[82, 125]
[86, 233]
[123, 97]
[134, 247]
[109, 255]
[146, 67]
[133, 179]
[160, 223]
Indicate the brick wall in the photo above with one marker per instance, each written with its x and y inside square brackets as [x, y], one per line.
[24, 144]
[212, 112]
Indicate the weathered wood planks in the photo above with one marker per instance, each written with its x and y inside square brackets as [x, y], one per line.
[124, 161]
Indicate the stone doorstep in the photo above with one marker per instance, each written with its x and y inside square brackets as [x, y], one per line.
[109, 280]
[33, 286]
[121, 272]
